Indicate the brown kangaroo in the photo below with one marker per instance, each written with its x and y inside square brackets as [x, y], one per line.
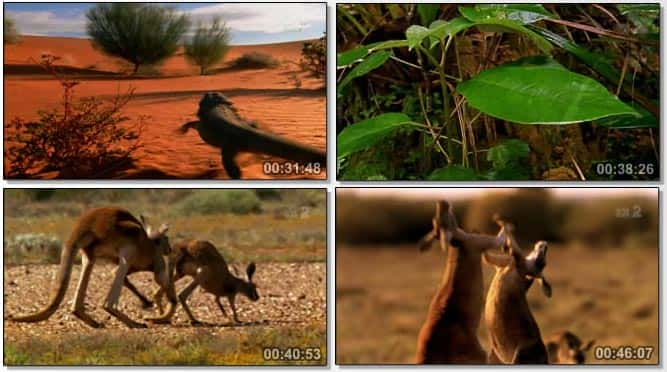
[449, 334]
[514, 336]
[110, 233]
[566, 348]
[202, 261]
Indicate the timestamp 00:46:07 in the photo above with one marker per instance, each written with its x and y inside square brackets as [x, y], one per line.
[642, 352]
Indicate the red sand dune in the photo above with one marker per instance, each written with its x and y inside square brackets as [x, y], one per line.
[268, 96]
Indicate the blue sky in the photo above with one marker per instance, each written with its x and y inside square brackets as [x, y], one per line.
[251, 23]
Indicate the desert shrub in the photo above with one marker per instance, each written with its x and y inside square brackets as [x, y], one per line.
[235, 201]
[10, 34]
[314, 57]
[209, 45]
[83, 139]
[255, 60]
[34, 248]
[532, 210]
[139, 33]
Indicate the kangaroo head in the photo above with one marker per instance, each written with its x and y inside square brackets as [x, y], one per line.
[249, 289]
[158, 237]
[571, 350]
[528, 267]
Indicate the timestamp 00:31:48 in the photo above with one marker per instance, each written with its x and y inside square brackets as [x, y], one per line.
[291, 168]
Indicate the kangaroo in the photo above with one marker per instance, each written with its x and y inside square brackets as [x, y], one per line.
[449, 334]
[514, 336]
[221, 126]
[566, 348]
[202, 261]
[110, 233]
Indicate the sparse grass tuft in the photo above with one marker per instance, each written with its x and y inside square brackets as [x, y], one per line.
[220, 201]
[255, 60]
[193, 347]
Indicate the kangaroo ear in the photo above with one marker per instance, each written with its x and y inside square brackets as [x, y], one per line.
[163, 228]
[143, 220]
[250, 271]
[546, 287]
[588, 345]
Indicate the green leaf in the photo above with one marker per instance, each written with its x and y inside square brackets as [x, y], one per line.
[507, 152]
[498, 18]
[369, 64]
[520, 13]
[635, 8]
[540, 94]
[427, 12]
[453, 173]
[366, 133]
[595, 61]
[415, 35]
[351, 56]
[647, 120]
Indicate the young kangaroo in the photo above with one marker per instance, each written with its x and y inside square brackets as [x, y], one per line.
[449, 334]
[514, 336]
[566, 348]
[110, 233]
[202, 261]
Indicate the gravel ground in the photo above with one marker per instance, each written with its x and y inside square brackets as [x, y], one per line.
[291, 295]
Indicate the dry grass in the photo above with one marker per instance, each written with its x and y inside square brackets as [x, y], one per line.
[382, 295]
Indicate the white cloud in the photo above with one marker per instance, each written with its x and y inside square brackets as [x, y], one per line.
[267, 18]
[44, 23]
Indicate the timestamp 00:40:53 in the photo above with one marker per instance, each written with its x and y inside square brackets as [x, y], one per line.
[292, 354]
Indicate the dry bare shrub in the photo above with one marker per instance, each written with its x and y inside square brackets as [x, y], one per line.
[82, 139]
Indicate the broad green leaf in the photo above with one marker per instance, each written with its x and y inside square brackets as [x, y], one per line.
[369, 64]
[506, 18]
[366, 133]
[595, 61]
[507, 152]
[647, 120]
[453, 173]
[520, 13]
[427, 12]
[541, 94]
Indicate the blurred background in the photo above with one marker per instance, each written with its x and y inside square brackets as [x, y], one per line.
[245, 224]
[602, 263]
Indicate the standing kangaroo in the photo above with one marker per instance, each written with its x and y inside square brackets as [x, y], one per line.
[514, 336]
[110, 233]
[449, 334]
[202, 261]
[221, 126]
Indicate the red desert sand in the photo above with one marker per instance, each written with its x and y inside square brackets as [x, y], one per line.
[267, 96]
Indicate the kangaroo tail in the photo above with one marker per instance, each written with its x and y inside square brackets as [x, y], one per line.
[66, 260]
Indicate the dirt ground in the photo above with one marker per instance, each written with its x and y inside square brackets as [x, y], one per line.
[268, 96]
[291, 295]
[382, 295]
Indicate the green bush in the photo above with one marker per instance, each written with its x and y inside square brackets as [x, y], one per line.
[314, 57]
[9, 35]
[235, 201]
[255, 60]
[209, 45]
[143, 34]
[32, 248]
